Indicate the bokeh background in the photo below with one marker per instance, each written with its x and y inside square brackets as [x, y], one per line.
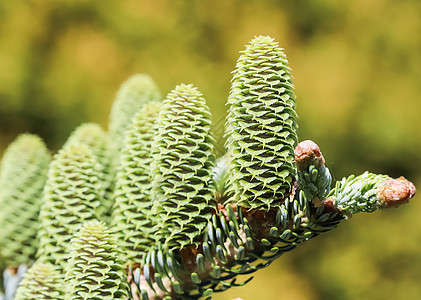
[357, 72]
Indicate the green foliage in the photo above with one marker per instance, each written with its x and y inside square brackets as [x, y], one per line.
[358, 193]
[132, 217]
[95, 269]
[72, 195]
[315, 181]
[41, 282]
[313, 176]
[183, 158]
[133, 94]
[22, 177]
[261, 126]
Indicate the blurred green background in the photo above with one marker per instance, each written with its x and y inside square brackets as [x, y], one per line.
[357, 72]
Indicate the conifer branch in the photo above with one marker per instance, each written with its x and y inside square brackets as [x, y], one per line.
[241, 241]
[267, 203]
[183, 225]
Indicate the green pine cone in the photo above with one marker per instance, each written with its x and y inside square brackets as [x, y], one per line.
[132, 219]
[41, 282]
[182, 170]
[72, 195]
[23, 174]
[95, 269]
[133, 94]
[261, 126]
[95, 138]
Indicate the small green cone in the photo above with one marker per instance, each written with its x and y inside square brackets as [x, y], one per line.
[41, 282]
[93, 136]
[95, 269]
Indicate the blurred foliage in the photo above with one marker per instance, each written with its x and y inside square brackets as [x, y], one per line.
[357, 70]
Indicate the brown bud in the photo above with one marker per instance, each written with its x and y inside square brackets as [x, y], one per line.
[307, 153]
[410, 185]
[223, 209]
[329, 205]
[395, 192]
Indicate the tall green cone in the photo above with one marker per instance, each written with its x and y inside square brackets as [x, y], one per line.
[132, 218]
[23, 173]
[41, 282]
[95, 138]
[72, 194]
[182, 167]
[95, 269]
[261, 126]
[133, 94]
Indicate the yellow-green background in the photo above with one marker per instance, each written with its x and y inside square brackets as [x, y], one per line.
[357, 72]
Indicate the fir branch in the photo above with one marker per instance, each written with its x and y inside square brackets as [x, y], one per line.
[313, 176]
[186, 227]
[240, 241]
[368, 192]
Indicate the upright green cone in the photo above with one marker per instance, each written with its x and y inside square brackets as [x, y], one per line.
[23, 173]
[261, 126]
[96, 139]
[133, 94]
[41, 282]
[182, 167]
[132, 218]
[72, 195]
[95, 269]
